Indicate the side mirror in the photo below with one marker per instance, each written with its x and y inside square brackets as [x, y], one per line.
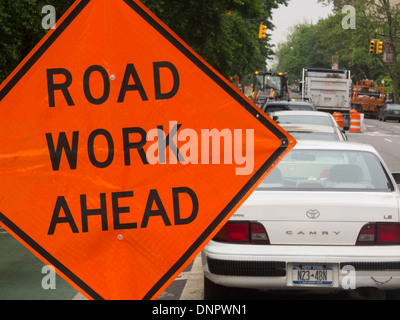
[396, 176]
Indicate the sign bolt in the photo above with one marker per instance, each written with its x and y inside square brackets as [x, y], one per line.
[120, 237]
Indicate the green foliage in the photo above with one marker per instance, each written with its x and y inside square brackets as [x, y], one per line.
[300, 51]
[315, 46]
[375, 19]
[223, 32]
[21, 29]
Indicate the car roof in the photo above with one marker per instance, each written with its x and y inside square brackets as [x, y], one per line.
[334, 145]
[301, 112]
[307, 128]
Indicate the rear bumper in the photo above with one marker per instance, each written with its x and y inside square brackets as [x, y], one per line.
[391, 117]
[270, 267]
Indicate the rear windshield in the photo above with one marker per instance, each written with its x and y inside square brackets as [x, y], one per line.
[303, 119]
[315, 136]
[283, 107]
[331, 170]
[393, 107]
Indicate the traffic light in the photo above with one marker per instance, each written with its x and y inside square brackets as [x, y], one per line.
[262, 33]
[372, 46]
[379, 47]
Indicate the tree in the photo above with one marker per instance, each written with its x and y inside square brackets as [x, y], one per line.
[223, 32]
[298, 51]
[21, 29]
[382, 21]
[315, 45]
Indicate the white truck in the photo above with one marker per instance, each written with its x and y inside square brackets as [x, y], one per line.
[329, 90]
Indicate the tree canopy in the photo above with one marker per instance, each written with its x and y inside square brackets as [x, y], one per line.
[223, 32]
[317, 45]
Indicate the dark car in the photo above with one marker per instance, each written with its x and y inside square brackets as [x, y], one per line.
[287, 105]
[391, 112]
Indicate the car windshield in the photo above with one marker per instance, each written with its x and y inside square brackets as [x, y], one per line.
[328, 170]
[265, 82]
[273, 82]
[393, 107]
[314, 136]
[303, 119]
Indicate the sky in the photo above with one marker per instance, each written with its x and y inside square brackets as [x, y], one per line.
[297, 11]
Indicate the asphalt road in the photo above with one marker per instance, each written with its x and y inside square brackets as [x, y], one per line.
[384, 137]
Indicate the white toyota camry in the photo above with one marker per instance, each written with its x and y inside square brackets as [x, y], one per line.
[325, 219]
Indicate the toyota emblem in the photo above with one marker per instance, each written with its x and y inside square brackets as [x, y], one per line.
[313, 214]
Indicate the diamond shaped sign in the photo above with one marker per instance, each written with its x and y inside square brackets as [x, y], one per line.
[123, 152]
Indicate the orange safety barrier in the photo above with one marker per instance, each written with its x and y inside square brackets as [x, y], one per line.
[339, 119]
[355, 121]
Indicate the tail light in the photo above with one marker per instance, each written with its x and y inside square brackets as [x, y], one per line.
[379, 234]
[242, 232]
[388, 234]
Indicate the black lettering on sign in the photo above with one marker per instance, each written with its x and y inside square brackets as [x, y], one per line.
[176, 192]
[86, 85]
[157, 80]
[61, 203]
[71, 152]
[149, 212]
[102, 212]
[117, 210]
[154, 209]
[63, 87]
[62, 145]
[90, 147]
[161, 90]
[130, 71]
[128, 145]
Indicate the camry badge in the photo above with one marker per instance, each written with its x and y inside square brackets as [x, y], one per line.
[313, 214]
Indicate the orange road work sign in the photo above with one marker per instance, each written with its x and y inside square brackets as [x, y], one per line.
[123, 152]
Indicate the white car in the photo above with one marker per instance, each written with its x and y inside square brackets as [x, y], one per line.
[314, 132]
[325, 219]
[304, 117]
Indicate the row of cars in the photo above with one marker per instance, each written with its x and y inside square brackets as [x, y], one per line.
[325, 219]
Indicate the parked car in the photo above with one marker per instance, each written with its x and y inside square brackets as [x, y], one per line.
[315, 132]
[390, 112]
[326, 219]
[272, 106]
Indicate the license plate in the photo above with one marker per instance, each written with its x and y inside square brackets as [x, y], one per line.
[312, 274]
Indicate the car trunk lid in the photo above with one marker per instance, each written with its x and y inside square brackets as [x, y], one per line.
[317, 218]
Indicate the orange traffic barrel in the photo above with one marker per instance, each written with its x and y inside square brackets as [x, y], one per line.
[355, 122]
[339, 119]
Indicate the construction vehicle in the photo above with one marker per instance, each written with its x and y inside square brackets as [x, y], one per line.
[269, 86]
[368, 98]
[329, 90]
